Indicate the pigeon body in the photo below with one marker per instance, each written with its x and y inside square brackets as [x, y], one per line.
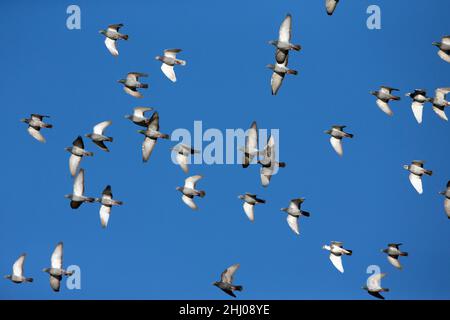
[250, 200]
[251, 145]
[138, 116]
[393, 252]
[226, 281]
[17, 275]
[446, 194]
[283, 44]
[336, 251]
[132, 83]
[56, 270]
[107, 202]
[416, 171]
[112, 34]
[373, 286]
[98, 137]
[331, 6]
[294, 211]
[419, 97]
[151, 136]
[269, 162]
[337, 133]
[169, 60]
[77, 153]
[183, 153]
[444, 48]
[439, 102]
[77, 197]
[384, 95]
[35, 124]
[189, 191]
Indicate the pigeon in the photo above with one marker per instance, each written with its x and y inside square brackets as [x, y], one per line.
[35, 123]
[131, 84]
[189, 191]
[97, 136]
[183, 152]
[439, 102]
[283, 44]
[17, 274]
[77, 198]
[151, 136]
[419, 97]
[279, 71]
[226, 281]
[56, 270]
[111, 36]
[393, 252]
[249, 203]
[269, 162]
[251, 145]
[416, 171]
[337, 133]
[294, 212]
[138, 117]
[169, 60]
[446, 193]
[331, 6]
[107, 202]
[444, 48]
[336, 252]
[77, 152]
[373, 286]
[383, 98]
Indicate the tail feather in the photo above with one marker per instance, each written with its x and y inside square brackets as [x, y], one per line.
[238, 288]
[349, 252]
[296, 47]
[124, 37]
[349, 135]
[386, 290]
[395, 98]
[119, 203]
[202, 193]
[181, 62]
[29, 279]
[90, 154]
[143, 85]
[429, 172]
[305, 213]
[260, 200]
[46, 125]
[294, 72]
[164, 136]
[282, 164]
[110, 139]
[404, 254]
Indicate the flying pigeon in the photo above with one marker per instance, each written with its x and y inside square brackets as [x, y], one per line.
[416, 171]
[393, 252]
[250, 200]
[444, 48]
[283, 44]
[151, 136]
[77, 198]
[294, 211]
[56, 271]
[107, 202]
[251, 145]
[373, 286]
[337, 133]
[17, 274]
[183, 153]
[439, 102]
[98, 137]
[269, 163]
[131, 84]
[419, 97]
[279, 71]
[138, 116]
[226, 281]
[446, 193]
[331, 6]
[383, 97]
[189, 191]
[336, 252]
[169, 60]
[77, 152]
[111, 36]
[35, 123]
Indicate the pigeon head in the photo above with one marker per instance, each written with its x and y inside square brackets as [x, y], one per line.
[141, 132]
[284, 209]
[273, 42]
[374, 93]
[241, 197]
[25, 120]
[406, 167]
[158, 58]
[121, 81]
[216, 283]
[437, 44]
[179, 189]
[128, 117]
[442, 193]
[102, 32]
[384, 250]
[88, 135]
[46, 270]
[68, 149]
[327, 131]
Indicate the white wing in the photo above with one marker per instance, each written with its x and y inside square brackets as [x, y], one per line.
[293, 223]
[183, 162]
[444, 56]
[105, 211]
[74, 163]
[36, 134]
[133, 93]
[440, 113]
[337, 145]
[189, 202]
[374, 281]
[331, 6]
[265, 179]
[111, 45]
[252, 140]
[276, 82]
[440, 93]
[191, 181]
[416, 182]
[55, 283]
[99, 128]
[57, 256]
[169, 72]
[78, 184]
[18, 266]
[228, 275]
[139, 111]
[417, 109]
[249, 211]
[447, 207]
[337, 262]
[384, 107]
[284, 34]
[147, 148]
[394, 262]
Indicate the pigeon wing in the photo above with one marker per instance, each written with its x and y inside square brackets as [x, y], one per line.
[444, 56]
[284, 34]
[190, 182]
[249, 211]
[111, 46]
[189, 202]
[133, 92]
[416, 182]
[74, 163]
[228, 275]
[275, 82]
[147, 147]
[172, 53]
[331, 6]
[18, 266]
[105, 212]
[447, 207]
[139, 111]
[99, 128]
[293, 223]
[35, 133]
[384, 107]
[440, 113]
[394, 261]
[78, 184]
[57, 256]
[337, 145]
[182, 160]
[169, 72]
[337, 262]
[417, 109]
[55, 283]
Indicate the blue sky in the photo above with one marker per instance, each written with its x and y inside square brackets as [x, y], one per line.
[157, 248]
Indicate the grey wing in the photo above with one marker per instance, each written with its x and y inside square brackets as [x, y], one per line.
[147, 148]
[55, 283]
[228, 275]
[154, 121]
[331, 6]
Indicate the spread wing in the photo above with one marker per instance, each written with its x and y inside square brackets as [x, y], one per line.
[228, 275]
[331, 6]
[133, 92]
[337, 262]
[111, 46]
[18, 266]
[183, 162]
[105, 212]
[284, 34]
[78, 184]
[74, 163]
[417, 109]
[249, 211]
[337, 145]
[99, 128]
[394, 261]
[169, 72]
[139, 111]
[57, 256]
[192, 181]
[293, 223]
[384, 107]
[440, 113]
[416, 182]
[171, 53]
[35, 133]
[189, 202]
[147, 147]
[55, 283]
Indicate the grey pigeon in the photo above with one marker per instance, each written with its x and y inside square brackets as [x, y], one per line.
[226, 281]
[111, 36]
[151, 136]
[393, 252]
[331, 6]
[446, 194]
[131, 84]
[337, 133]
[17, 271]
[283, 44]
[169, 60]
[183, 153]
[250, 200]
[416, 171]
[77, 152]
[336, 251]
[384, 95]
[444, 48]
[189, 191]
[77, 197]
[35, 123]
[419, 97]
[56, 270]
[269, 163]
[373, 286]
[294, 211]
[138, 116]
[278, 74]
[439, 102]
[98, 137]
[251, 145]
[107, 202]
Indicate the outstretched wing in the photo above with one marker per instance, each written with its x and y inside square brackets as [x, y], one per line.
[228, 275]
[57, 256]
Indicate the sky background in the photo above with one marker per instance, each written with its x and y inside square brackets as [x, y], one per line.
[155, 247]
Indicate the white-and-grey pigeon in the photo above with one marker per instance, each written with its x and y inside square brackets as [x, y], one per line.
[151, 136]
[98, 137]
[337, 133]
[77, 152]
[77, 197]
[439, 102]
[393, 252]
[169, 60]
[138, 117]
[446, 194]
[278, 74]
[35, 124]
[131, 84]
[183, 153]
[269, 163]
[419, 97]
[444, 48]
[226, 281]
[384, 95]
[336, 251]
[250, 200]
[112, 34]
[294, 211]
[416, 171]
[283, 44]
[56, 270]
[107, 202]
[373, 285]
[17, 275]
[189, 191]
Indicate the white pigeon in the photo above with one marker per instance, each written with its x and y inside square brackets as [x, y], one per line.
[439, 102]
[56, 271]
[416, 171]
[17, 271]
[373, 285]
[336, 251]
[77, 197]
[250, 200]
[169, 60]
[182, 157]
[294, 211]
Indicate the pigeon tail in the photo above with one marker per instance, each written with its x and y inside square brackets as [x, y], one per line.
[404, 254]
[260, 200]
[29, 279]
[385, 289]
[110, 139]
[88, 153]
[164, 136]
[46, 125]
[124, 36]
[181, 62]
[69, 273]
[290, 71]
[143, 85]
[349, 135]
[306, 214]
[119, 203]
[349, 252]
[429, 172]
[238, 288]
[395, 98]
[282, 164]
[201, 193]
[296, 47]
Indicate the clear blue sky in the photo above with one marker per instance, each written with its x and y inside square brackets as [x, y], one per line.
[155, 247]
